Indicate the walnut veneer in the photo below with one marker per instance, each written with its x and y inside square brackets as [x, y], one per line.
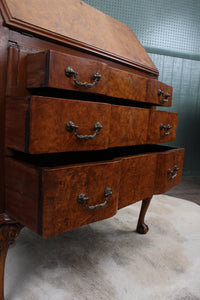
[79, 126]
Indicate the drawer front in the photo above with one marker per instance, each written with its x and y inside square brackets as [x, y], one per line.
[53, 200]
[126, 85]
[44, 125]
[137, 178]
[169, 170]
[61, 189]
[128, 126]
[159, 93]
[162, 127]
[62, 71]
[49, 125]
[55, 70]
[52, 69]
[22, 192]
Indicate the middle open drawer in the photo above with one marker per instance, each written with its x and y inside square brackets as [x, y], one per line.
[47, 125]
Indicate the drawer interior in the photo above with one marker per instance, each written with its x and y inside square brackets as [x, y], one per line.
[59, 159]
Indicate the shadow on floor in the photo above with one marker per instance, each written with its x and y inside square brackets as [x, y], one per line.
[188, 189]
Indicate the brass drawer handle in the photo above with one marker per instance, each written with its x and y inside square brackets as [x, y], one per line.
[165, 96]
[70, 127]
[166, 128]
[82, 198]
[69, 72]
[172, 174]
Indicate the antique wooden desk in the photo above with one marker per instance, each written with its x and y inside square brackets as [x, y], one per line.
[79, 126]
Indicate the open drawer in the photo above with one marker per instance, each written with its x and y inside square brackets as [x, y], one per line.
[48, 125]
[52, 69]
[52, 200]
[55, 193]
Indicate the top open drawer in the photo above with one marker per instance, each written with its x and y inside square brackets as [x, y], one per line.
[62, 71]
[52, 69]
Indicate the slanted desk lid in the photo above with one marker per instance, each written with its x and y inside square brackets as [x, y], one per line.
[77, 23]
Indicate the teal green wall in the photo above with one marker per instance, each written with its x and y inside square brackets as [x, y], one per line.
[170, 32]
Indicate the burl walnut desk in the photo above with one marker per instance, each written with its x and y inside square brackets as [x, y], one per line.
[79, 128]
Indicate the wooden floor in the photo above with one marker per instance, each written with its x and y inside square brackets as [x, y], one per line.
[189, 189]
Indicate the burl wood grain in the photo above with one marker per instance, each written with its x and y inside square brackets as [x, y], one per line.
[46, 201]
[152, 92]
[17, 112]
[3, 65]
[126, 85]
[137, 178]
[78, 24]
[48, 70]
[13, 67]
[22, 192]
[61, 187]
[45, 198]
[165, 161]
[48, 125]
[155, 134]
[38, 125]
[128, 126]
[44, 120]
[37, 69]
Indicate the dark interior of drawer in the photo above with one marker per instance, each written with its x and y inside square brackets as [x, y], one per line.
[84, 96]
[59, 159]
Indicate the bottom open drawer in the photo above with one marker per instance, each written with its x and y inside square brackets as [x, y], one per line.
[56, 193]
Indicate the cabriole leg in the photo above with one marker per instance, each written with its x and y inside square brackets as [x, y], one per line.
[141, 226]
[8, 232]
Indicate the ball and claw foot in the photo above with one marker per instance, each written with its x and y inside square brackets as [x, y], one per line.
[142, 228]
